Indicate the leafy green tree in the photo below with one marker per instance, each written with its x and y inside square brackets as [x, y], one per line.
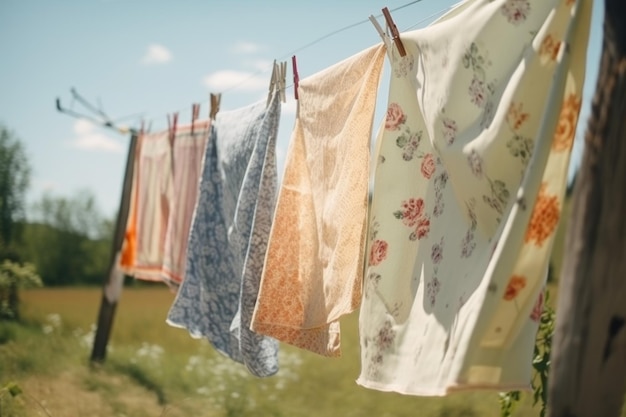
[15, 173]
[14, 277]
[69, 240]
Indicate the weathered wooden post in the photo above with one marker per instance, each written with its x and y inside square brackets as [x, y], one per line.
[115, 278]
[588, 370]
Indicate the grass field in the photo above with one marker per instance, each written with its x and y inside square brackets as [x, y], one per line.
[153, 369]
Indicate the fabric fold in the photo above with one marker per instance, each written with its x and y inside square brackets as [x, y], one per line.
[188, 153]
[468, 190]
[313, 268]
[143, 249]
[229, 231]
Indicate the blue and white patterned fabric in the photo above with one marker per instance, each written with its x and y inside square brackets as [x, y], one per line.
[228, 237]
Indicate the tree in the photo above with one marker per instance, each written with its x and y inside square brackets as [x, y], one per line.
[589, 351]
[70, 241]
[14, 180]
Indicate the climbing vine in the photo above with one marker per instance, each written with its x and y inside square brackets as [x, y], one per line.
[541, 366]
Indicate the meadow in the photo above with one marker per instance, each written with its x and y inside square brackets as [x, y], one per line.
[153, 369]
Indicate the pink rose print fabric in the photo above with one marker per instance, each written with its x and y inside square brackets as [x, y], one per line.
[469, 180]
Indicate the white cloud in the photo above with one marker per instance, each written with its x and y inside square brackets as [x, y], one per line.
[88, 138]
[246, 48]
[242, 80]
[156, 54]
[259, 64]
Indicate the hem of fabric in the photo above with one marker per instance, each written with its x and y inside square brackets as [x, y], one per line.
[443, 391]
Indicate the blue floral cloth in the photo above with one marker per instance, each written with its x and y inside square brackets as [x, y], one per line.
[228, 237]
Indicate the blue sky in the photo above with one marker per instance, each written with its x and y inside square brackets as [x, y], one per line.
[154, 57]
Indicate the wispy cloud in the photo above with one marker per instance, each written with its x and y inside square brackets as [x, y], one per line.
[259, 64]
[156, 54]
[244, 47]
[242, 80]
[88, 138]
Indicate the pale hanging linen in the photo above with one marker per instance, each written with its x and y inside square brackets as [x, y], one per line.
[228, 237]
[314, 264]
[188, 154]
[480, 123]
[143, 251]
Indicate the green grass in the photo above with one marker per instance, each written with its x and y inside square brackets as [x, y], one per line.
[153, 369]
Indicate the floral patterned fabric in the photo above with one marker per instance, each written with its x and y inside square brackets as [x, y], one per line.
[314, 265]
[468, 187]
[228, 237]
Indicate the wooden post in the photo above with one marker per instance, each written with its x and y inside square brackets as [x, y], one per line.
[588, 370]
[115, 278]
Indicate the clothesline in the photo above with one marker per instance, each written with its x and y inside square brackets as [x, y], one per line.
[185, 109]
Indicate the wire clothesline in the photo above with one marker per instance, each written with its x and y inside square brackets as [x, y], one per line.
[312, 43]
[183, 110]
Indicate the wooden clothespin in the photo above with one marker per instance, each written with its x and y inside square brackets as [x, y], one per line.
[273, 82]
[195, 113]
[171, 127]
[215, 105]
[296, 77]
[395, 35]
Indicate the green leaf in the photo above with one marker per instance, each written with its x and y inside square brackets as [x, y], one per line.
[13, 389]
[401, 141]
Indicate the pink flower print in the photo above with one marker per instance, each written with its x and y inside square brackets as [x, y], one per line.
[378, 252]
[412, 210]
[395, 117]
[476, 163]
[436, 253]
[516, 11]
[535, 314]
[413, 216]
[422, 229]
[428, 166]
[477, 92]
[449, 130]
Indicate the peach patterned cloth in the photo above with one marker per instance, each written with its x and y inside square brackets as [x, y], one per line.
[314, 263]
[468, 189]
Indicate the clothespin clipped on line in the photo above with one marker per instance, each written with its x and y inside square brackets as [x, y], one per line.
[382, 34]
[195, 113]
[282, 81]
[272, 84]
[395, 35]
[296, 77]
[278, 81]
[215, 105]
[172, 123]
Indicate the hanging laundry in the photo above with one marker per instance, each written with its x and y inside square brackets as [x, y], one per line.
[470, 176]
[188, 154]
[143, 250]
[314, 264]
[228, 237]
